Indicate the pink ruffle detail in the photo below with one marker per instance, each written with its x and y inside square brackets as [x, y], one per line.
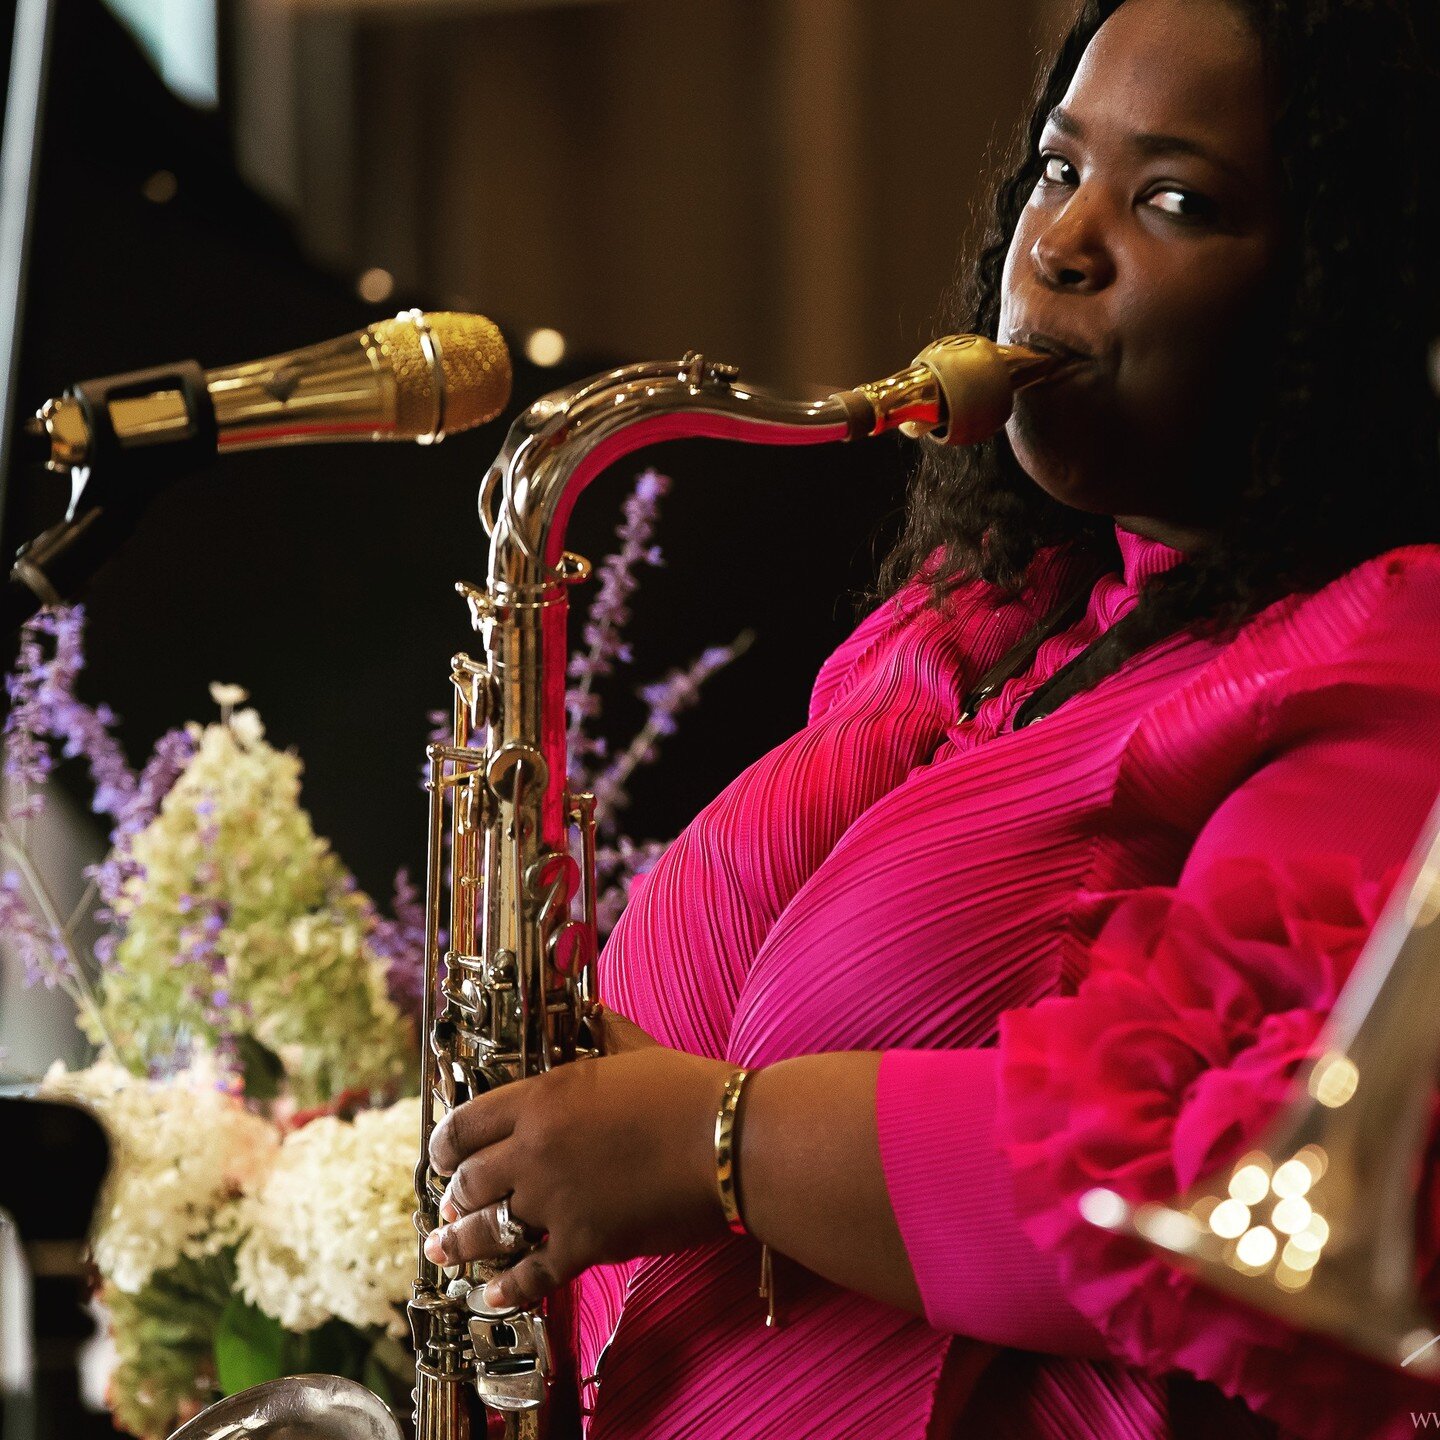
[1179, 1044]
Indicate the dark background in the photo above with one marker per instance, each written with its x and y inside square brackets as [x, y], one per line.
[320, 578]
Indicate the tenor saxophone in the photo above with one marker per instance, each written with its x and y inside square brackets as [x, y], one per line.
[513, 993]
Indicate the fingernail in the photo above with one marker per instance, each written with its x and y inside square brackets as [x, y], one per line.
[448, 1212]
[435, 1247]
[494, 1295]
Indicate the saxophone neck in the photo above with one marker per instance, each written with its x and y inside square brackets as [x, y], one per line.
[959, 390]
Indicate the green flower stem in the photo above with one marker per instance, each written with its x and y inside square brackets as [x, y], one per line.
[82, 908]
[75, 984]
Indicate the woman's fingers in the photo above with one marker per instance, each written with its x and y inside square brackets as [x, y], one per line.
[479, 1180]
[478, 1122]
[530, 1279]
[481, 1235]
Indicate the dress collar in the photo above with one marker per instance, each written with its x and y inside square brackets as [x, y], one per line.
[1142, 558]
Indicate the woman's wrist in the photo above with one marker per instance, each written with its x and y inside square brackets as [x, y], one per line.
[712, 1078]
[727, 1149]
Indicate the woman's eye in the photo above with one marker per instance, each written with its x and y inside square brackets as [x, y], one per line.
[1182, 204]
[1056, 170]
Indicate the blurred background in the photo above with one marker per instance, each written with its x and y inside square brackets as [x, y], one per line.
[784, 184]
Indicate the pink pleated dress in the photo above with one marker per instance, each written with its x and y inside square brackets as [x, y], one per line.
[1091, 950]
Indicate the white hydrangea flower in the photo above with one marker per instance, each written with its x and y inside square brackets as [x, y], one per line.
[329, 1230]
[238, 917]
[227, 696]
[182, 1149]
[247, 727]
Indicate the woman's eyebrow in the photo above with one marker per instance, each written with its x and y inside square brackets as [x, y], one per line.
[1148, 143]
[1065, 122]
[1151, 144]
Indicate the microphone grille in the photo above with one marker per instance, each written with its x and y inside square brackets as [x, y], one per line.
[474, 364]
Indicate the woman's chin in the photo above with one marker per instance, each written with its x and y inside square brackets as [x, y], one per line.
[1063, 477]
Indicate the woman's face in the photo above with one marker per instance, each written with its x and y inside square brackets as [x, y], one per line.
[1147, 246]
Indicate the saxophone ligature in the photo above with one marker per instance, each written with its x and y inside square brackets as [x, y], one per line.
[513, 994]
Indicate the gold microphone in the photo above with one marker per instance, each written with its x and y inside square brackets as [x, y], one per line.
[123, 438]
[420, 376]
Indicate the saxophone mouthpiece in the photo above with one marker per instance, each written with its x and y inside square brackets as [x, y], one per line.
[959, 390]
[977, 380]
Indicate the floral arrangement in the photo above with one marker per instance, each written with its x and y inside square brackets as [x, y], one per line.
[254, 1016]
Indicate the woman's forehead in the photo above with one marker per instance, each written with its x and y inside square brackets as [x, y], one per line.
[1187, 67]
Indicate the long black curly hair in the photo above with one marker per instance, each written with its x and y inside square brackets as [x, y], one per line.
[1343, 462]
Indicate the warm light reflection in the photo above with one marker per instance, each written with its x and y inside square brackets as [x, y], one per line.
[1256, 1248]
[161, 187]
[1103, 1208]
[1422, 905]
[1298, 1258]
[1170, 1229]
[1293, 1178]
[1229, 1219]
[375, 286]
[1334, 1079]
[545, 346]
[1315, 1160]
[1288, 1279]
[1250, 1184]
[1292, 1215]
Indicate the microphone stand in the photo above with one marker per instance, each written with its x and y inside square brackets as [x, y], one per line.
[111, 490]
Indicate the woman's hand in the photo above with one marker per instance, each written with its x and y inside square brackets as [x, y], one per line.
[619, 1034]
[605, 1159]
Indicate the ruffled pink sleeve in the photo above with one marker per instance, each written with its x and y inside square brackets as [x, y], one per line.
[1201, 1001]
[1180, 1044]
[1198, 1003]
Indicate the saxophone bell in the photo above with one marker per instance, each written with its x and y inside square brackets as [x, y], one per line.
[1315, 1225]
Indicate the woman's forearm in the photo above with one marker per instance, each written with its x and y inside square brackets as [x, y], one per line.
[810, 1178]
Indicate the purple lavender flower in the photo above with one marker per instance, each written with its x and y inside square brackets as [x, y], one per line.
[677, 692]
[617, 867]
[27, 760]
[400, 942]
[43, 706]
[43, 953]
[610, 611]
[172, 753]
[680, 689]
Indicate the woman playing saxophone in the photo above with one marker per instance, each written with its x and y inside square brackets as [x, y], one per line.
[972, 941]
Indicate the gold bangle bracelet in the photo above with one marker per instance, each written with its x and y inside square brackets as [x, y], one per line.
[725, 1156]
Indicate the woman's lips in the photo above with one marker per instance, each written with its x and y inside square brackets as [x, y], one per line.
[1051, 345]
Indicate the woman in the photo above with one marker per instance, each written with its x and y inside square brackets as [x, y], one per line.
[976, 964]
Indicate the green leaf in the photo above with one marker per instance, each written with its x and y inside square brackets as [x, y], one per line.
[249, 1347]
[334, 1348]
[261, 1069]
[390, 1373]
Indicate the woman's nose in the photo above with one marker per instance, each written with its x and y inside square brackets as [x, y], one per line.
[1072, 252]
